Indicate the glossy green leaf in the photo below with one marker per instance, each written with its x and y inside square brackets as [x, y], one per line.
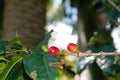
[16, 44]
[15, 41]
[15, 72]
[3, 45]
[44, 42]
[2, 58]
[3, 63]
[9, 66]
[18, 73]
[17, 47]
[37, 66]
[2, 66]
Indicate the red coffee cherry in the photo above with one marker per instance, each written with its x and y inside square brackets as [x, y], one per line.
[72, 47]
[53, 50]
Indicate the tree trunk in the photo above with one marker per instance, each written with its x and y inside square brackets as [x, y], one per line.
[93, 72]
[1, 17]
[27, 18]
[87, 24]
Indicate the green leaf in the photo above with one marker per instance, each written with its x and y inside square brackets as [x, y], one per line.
[16, 44]
[17, 36]
[9, 66]
[115, 68]
[18, 73]
[44, 42]
[3, 63]
[2, 66]
[3, 45]
[15, 72]
[15, 41]
[2, 58]
[17, 47]
[37, 66]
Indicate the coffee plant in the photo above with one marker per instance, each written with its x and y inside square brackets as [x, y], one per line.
[41, 63]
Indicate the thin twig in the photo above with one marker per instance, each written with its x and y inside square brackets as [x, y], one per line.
[81, 54]
[114, 5]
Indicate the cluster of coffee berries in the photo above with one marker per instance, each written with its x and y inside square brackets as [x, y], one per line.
[72, 47]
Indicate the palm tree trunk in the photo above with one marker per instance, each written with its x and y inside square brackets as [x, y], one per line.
[27, 18]
[1, 17]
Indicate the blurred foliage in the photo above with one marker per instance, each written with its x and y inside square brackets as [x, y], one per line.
[19, 63]
[101, 41]
[55, 12]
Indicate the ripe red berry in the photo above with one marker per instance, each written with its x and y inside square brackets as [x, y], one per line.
[72, 47]
[53, 50]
